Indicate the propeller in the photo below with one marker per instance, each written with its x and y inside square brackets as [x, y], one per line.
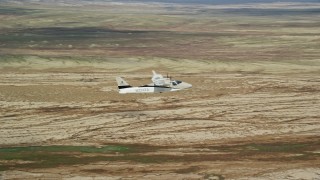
[170, 77]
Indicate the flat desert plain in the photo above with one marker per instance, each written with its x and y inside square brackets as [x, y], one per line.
[252, 113]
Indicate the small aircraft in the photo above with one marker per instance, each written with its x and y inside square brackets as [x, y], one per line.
[159, 84]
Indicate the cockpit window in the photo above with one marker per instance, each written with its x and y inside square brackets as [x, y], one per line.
[176, 82]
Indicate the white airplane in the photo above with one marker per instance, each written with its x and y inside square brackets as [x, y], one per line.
[159, 85]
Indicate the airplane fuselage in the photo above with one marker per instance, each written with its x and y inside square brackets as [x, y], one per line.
[159, 85]
[154, 89]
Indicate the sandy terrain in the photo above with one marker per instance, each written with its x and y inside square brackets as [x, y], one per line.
[233, 109]
[231, 106]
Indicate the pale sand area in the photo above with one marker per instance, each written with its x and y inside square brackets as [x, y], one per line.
[294, 174]
[81, 106]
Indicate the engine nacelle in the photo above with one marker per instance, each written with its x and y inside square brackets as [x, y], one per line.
[159, 80]
[162, 82]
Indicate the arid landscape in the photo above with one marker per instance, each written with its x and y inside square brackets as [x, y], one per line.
[252, 113]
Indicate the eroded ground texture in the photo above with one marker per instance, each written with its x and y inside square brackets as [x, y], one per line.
[227, 125]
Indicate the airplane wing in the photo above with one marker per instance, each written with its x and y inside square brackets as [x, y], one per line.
[159, 80]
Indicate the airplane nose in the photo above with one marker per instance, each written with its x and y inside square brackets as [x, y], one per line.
[186, 85]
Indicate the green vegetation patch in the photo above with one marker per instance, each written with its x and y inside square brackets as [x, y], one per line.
[272, 12]
[6, 10]
[53, 38]
[82, 149]
[54, 156]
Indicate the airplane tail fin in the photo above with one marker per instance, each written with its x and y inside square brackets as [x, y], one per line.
[122, 83]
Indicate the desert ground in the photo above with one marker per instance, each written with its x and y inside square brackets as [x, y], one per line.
[252, 113]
